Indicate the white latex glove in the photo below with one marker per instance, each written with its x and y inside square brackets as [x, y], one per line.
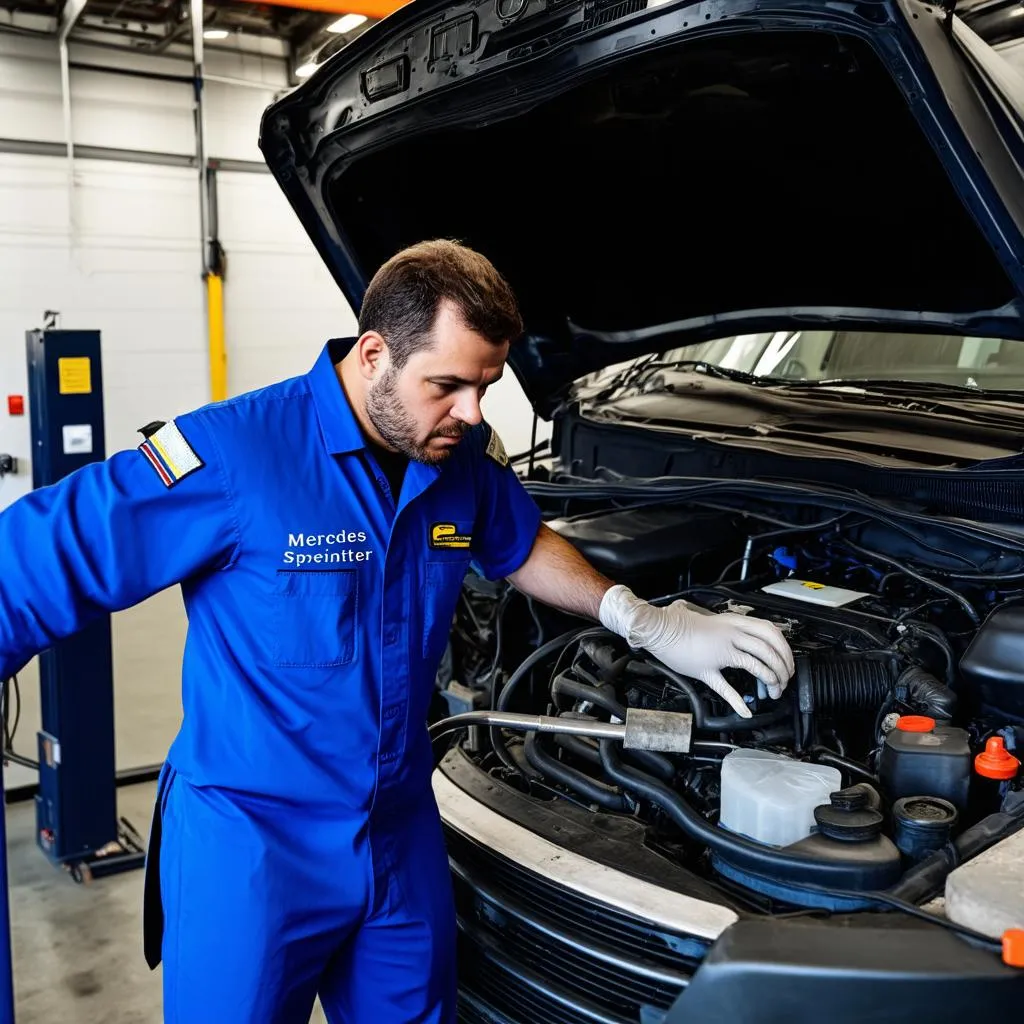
[699, 644]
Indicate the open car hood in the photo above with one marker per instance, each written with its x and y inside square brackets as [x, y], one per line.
[647, 173]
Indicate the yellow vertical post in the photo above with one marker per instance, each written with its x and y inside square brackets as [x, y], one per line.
[215, 333]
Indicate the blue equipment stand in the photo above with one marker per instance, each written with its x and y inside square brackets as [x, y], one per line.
[76, 809]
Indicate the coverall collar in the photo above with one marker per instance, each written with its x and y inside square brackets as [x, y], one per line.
[338, 422]
[339, 425]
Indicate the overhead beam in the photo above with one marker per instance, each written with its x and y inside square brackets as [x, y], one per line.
[371, 8]
[69, 16]
[32, 147]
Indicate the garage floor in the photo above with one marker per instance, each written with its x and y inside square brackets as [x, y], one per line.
[77, 948]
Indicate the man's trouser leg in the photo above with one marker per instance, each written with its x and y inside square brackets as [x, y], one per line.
[256, 901]
[399, 967]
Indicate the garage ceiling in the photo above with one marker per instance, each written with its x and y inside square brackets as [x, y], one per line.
[306, 30]
[302, 28]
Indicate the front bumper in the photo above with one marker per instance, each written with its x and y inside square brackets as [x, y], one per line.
[550, 935]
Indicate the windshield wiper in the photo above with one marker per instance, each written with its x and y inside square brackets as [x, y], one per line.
[639, 377]
[643, 374]
[905, 388]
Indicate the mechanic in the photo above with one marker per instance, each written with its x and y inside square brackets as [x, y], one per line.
[296, 846]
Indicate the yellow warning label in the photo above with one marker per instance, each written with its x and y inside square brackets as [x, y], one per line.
[75, 375]
[813, 586]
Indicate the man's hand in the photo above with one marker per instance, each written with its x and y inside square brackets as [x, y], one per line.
[689, 640]
[697, 644]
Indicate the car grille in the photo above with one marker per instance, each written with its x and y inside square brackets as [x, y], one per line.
[534, 952]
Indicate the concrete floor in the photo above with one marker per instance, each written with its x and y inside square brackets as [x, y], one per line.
[78, 948]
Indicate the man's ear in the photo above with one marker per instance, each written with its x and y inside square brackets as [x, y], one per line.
[372, 353]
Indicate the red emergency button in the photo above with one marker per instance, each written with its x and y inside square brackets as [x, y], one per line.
[16, 405]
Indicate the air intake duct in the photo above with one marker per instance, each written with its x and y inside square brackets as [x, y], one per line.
[843, 682]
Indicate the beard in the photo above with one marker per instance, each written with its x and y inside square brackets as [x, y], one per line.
[396, 425]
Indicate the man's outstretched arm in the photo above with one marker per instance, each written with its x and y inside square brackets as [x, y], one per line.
[107, 537]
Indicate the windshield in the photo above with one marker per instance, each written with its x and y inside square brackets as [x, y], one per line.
[954, 360]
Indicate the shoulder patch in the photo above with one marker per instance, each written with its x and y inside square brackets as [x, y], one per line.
[496, 450]
[170, 454]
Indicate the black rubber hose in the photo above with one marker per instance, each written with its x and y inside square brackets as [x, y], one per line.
[927, 695]
[583, 785]
[559, 642]
[603, 656]
[714, 747]
[926, 880]
[741, 852]
[775, 735]
[822, 755]
[734, 723]
[650, 760]
[492, 682]
[505, 697]
[564, 685]
[700, 712]
[585, 750]
[716, 723]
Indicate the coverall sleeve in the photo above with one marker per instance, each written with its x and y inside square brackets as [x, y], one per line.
[507, 520]
[104, 538]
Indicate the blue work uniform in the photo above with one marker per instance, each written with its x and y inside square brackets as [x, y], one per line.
[301, 848]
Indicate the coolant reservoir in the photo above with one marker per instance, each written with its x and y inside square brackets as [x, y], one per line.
[771, 798]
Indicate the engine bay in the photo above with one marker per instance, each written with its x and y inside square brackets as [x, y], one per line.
[894, 746]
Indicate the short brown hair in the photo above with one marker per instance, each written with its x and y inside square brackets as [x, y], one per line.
[404, 297]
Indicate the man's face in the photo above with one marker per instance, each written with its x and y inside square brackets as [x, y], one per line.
[424, 409]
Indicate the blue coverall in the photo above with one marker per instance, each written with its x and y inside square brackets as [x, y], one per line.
[301, 847]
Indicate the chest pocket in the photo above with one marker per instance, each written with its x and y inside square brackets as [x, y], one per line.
[315, 620]
[442, 583]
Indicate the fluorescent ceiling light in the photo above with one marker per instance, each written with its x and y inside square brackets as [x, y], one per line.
[346, 24]
[216, 33]
[305, 70]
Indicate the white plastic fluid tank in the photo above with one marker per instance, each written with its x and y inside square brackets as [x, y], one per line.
[771, 798]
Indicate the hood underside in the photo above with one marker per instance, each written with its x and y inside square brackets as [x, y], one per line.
[669, 172]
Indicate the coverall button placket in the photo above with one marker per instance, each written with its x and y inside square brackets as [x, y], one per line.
[400, 598]
[394, 662]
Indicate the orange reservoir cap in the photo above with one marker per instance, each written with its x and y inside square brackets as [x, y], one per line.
[1013, 947]
[996, 762]
[915, 723]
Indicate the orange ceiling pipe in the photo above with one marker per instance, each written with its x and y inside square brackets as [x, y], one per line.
[371, 8]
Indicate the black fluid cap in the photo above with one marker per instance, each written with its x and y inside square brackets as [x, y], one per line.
[925, 813]
[855, 798]
[852, 815]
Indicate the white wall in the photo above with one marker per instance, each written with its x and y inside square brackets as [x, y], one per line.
[118, 251]
[133, 113]
[280, 302]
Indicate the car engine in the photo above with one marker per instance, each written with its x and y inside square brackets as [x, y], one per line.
[908, 636]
